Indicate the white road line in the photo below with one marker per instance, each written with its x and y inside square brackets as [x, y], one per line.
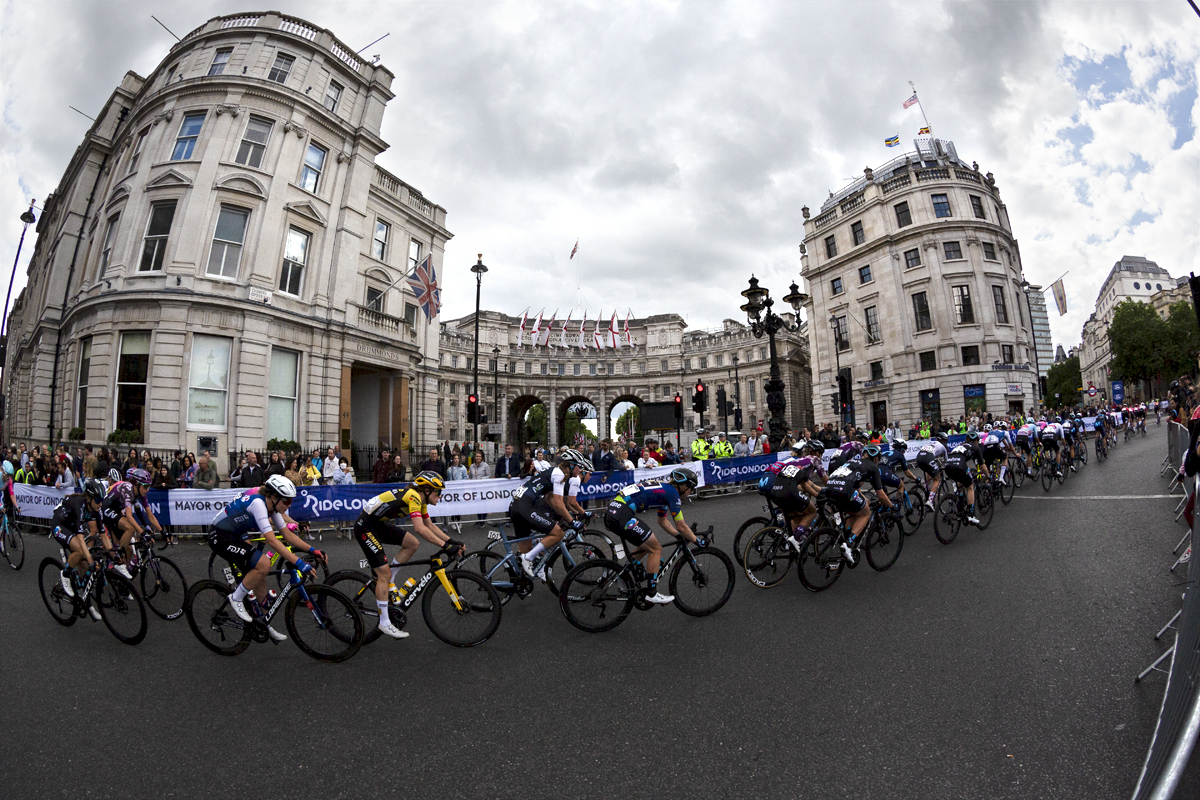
[1100, 497]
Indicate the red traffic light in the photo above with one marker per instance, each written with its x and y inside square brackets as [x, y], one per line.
[678, 399]
[699, 387]
[472, 398]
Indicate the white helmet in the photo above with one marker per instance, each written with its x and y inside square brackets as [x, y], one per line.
[700, 431]
[281, 486]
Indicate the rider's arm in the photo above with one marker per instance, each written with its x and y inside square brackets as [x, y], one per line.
[560, 507]
[129, 515]
[424, 527]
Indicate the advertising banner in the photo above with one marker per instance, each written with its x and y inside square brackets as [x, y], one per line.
[38, 501]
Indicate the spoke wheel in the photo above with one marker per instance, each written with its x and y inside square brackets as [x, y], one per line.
[946, 521]
[1083, 452]
[768, 557]
[360, 590]
[747, 529]
[121, 608]
[326, 625]
[596, 596]
[505, 578]
[163, 588]
[985, 506]
[206, 607]
[914, 510]
[562, 563]
[1047, 477]
[703, 587]
[14, 545]
[1007, 488]
[476, 617]
[1064, 472]
[820, 559]
[60, 606]
[884, 542]
[1017, 472]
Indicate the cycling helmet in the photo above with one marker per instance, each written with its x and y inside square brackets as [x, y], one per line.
[681, 475]
[700, 431]
[113, 476]
[871, 451]
[987, 428]
[138, 476]
[8, 468]
[899, 445]
[573, 458]
[862, 437]
[94, 489]
[814, 446]
[941, 437]
[798, 447]
[973, 436]
[281, 486]
[429, 480]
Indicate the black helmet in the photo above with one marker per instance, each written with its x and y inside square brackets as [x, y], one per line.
[93, 489]
[686, 476]
[941, 437]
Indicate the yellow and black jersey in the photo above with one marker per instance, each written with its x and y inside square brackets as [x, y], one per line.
[388, 506]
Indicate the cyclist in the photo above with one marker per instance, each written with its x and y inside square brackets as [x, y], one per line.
[895, 463]
[621, 518]
[258, 514]
[996, 448]
[8, 497]
[373, 531]
[74, 518]
[117, 513]
[789, 485]
[853, 447]
[958, 469]
[842, 489]
[930, 459]
[1027, 434]
[539, 507]
[1051, 435]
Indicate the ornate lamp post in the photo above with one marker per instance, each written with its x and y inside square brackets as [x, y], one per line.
[496, 381]
[765, 321]
[1037, 370]
[28, 218]
[478, 269]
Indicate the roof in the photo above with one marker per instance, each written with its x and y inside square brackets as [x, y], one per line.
[1135, 264]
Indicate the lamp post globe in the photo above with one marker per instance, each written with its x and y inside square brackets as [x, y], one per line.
[479, 268]
[765, 322]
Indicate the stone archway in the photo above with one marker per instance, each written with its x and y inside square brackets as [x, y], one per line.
[617, 408]
[521, 429]
[577, 408]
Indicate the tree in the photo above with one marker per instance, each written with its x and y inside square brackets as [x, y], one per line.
[1182, 340]
[1137, 337]
[1063, 378]
[574, 425]
[535, 424]
[630, 419]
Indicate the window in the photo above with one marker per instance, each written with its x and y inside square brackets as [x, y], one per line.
[703, 362]
[295, 256]
[81, 390]
[857, 233]
[1006, 353]
[921, 311]
[970, 355]
[1136, 285]
[830, 246]
[208, 384]
[753, 389]
[137, 150]
[609, 367]
[977, 207]
[963, 310]
[1158, 286]
[903, 216]
[133, 365]
[375, 299]
[410, 314]
[577, 369]
[219, 61]
[928, 361]
[876, 370]
[454, 361]
[333, 93]
[314, 162]
[110, 235]
[281, 68]
[254, 142]
[941, 205]
[154, 246]
[379, 247]
[545, 367]
[864, 274]
[952, 250]
[836, 285]
[762, 354]
[872, 315]
[989, 251]
[414, 254]
[912, 258]
[719, 360]
[1001, 305]
[226, 252]
[665, 365]
[592, 368]
[189, 131]
[841, 335]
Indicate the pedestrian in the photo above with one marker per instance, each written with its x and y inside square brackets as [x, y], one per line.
[381, 467]
[206, 474]
[434, 463]
[398, 471]
[252, 474]
[295, 472]
[329, 465]
[508, 465]
[479, 471]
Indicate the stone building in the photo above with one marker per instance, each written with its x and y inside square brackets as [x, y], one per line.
[917, 294]
[220, 264]
[1041, 330]
[665, 359]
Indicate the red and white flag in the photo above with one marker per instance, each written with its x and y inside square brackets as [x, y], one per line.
[549, 328]
[574, 249]
[597, 339]
[582, 323]
[521, 329]
[562, 339]
[536, 333]
[628, 335]
[613, 341]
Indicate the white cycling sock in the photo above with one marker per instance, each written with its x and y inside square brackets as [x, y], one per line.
[1003, 472]
[537, 550]
[384, 619]
[395, 569]
[239, 594]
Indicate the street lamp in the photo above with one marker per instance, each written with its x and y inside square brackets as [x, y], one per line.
[478, 269]
[737, 396]
[28, 218]
[765, 321]
[496, 380]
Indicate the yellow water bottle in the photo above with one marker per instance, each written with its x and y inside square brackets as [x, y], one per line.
[407, 587]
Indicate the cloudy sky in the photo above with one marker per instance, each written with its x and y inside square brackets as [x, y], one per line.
[678, 140]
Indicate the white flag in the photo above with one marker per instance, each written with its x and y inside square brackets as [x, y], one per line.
[562, 339]
[597, 339]
[536, 333]
[628, 335]
[521, 329]
[582, 323]
[613, 341]
[549, 327]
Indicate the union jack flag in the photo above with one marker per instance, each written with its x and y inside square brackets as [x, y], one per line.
[425, 287]
[574, 249]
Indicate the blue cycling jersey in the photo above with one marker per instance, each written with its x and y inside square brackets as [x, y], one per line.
[645, 496]
[245, 515]
[896, 460]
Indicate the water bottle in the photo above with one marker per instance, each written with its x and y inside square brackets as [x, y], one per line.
[619, 549]
[407, 587]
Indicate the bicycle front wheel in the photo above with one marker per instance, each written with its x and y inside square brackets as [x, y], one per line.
[768, 557]
[702, 587]
[324, 623]
[946, 521]
[1017, 472]
[470, 622]
[883, 545]
[164, 587]
[499, 571]
[60, 606]
[121, 608]
[820, 559]
[985, 506]
[596, 596]
[206, 607]
[576, 553]
[914, 509]
[748, 528]
[14, 545]
[360, 590]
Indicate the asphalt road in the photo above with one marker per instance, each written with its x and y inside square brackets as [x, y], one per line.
[1000, 666]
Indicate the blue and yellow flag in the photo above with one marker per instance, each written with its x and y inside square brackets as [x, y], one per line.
[892, 141]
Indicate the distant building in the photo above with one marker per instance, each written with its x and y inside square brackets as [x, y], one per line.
[1041, 329]
[1059, 355]
[1178, 292]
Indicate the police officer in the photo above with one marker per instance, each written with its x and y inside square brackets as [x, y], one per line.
[722, 449]
[700, 447]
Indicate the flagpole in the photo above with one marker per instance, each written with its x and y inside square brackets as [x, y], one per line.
[922, 107]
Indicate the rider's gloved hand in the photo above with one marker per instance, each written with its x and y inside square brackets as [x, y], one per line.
[453, 545]
[588, 515]
[293, 527]
[303, 566]
[320, 554]
[577, 525]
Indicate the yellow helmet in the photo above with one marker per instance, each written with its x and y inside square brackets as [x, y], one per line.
[429, 480]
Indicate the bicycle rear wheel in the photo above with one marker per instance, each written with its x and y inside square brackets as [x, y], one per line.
[883, 545]
[596, 596]
[60, 606]
[324, 623]
[768, 557]
[748, 528]
[1017, 472]
[562, 563]
[1047, 477]
[702, 588]
[1007, 488]
[360, 590]
[504, 577]
[914, 509]
[14, 545]
[985, 505]
[206, 607]
[121, 608]
[163, 587]
[820, 559]
[946, 522]
[476, 617]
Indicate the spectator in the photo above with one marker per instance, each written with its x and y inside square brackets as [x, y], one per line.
[295, 471]
[479, 471]
[344, 474]
[329, 466]
[77, 462]
[397, 472]
[130, 462]
[446, 452]
[434, 463]
[275, 467]
[187, 478]
[89, 462]
[206, 475]
[456, 471]
[742, 448]
[540, 464]
[527, 469]
[252, 474]
[669, 456]
[162, 479]
[605, 461]
[382, 466]
[65, 478]
[312, 470]
[100, 470]
[647, 461]
[177, 465]
[508, 465]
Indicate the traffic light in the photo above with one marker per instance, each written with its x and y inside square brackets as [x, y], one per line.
[837, 406]
[737, 418]
[700, 399]
[678, 406]
[843, 390]
[472, 409]
[1042, 384]
[722, 403]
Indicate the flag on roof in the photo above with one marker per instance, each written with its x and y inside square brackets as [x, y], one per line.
[549, 327]
[536, 333]
[574, 249]
[521, 327]
[892, 141]
[597, 339]
[425, 287]
[582, 323]
[923, 131]
[562, 339]
[613, 341]
[912, 101]
[628, 335]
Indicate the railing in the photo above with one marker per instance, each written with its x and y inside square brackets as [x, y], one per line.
[238, 22]
[935, 174]
[378, 319]
[968, 175]
[388, 182]
[402, 191]
[853, 202]
[892, 184]
[826, 218]
[346, 57]
[419, 203]
[289, 25]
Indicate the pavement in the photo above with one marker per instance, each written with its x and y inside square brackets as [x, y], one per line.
[999, 666]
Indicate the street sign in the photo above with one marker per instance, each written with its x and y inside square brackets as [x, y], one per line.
[1118, 391]
[1091, 391]
[495, 429]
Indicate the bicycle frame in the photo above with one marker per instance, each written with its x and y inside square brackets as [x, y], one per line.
[437, 568]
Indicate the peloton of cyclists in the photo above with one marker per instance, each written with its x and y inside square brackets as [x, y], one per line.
[842, 489]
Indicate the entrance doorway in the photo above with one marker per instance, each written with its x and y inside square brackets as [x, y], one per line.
[931, 404]
[879, 415]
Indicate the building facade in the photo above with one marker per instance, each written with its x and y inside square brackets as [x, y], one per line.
[1041, 329]
[665, 359]
[221, 263]
[916, 295]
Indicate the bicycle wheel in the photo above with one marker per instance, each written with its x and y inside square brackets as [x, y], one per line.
[1082, 452]
[820, 559]
[324, 623]
[1100, 454]
[476, 617]
[985, 506]
[14, 545]
[60, 606]
[1017, 472]
[360, 589]
[883, 545]
[577, 552]
[1063, 472]
[121, 608]
[914, 508]
[320, 575]
[163, 587]
[1007, 488]
[703, 587]
[501, 573]
[217, 567]
[946, 522]
[748, 528]
[768, 557]
[1047, 477]
[206, 607]
[596, 596]
[601, 541]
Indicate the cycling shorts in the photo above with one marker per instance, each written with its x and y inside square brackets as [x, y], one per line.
[929, 464]
[958, 472]
[1050, 443]
[372, 534]
[1023, 443]
[785, 493]
[234, 549]
[110, 518]
[889, 477]
[993, 454]
[621, 520]
[531, 517]
[64, 536]
[846, 502]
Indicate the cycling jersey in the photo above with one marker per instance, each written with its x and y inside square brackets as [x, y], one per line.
[529, 510]
[247, 515]
[896, 459]
[70, 519]
[847, 478]
[927, 458]
[388, 506]
[119, 498]
[662, 497]
[959, 460]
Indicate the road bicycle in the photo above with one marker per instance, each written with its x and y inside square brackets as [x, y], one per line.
[1101, 448]
[911, 502]
[951, 509]
[278, 565]
[1081, 451]
[465, 613]
[599, 594]
[1017, 466]
[162, 583]
[1054, 469]
[1003, 489]
[12, 542]
[775, 516]
[504, 572]
[101, 588]
[322, 621]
